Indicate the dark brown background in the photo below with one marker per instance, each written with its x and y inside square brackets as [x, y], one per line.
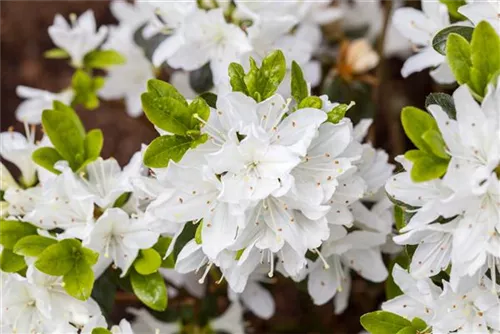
[24, 38]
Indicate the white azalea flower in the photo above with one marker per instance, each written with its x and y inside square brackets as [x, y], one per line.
[420, 27]
[16, 148]
[119, 238]
[359, 250]
[78, 37]
[38, 100]
[478, 11]
[204, 37]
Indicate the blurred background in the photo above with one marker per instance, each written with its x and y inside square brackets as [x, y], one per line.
[24, 38]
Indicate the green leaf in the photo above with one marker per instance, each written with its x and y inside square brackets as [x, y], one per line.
[197, 235]
[104, 292]
[272, 73]
[198, 109]
[338, 112]
[443, 100]
[382, 322]
[418, 324]
[251, 81]
[32, 245]
[458, 55]
[485, 51]
[150, 289]
[165, 148]
[10, 262]
[85, 88]
[440, 39]
[122, 200]
[427, 168]
[210, 98]
[59, 259]
[11, 231]
[66, 132]
[147, 262]
[100, 330]
[298, 84]
[47, 157]
[237, 78]
[415, 123]
[310, 102]
[56, 53]
[407, 330]
[436, 144]
[89, 256]
[399, 217]
[453, 6]
[159, 88]
[168, 113]
[78, 282]
[161, 247]
[93, 144]
[102, 59]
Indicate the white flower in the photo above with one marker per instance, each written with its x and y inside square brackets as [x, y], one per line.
[165, 15]
[130, 15]
[478, 11]
[420, 27]
[79, 37]
[30, 111]
[204, 37]
[470, 310]
[118, 238]
[16, 148]
[358, 250]
[122, 328]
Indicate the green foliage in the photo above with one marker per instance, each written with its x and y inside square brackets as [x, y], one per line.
[150, 289]
[148, 261]
[161, 247]
[475, 64]
[338, 112]
[69, 259]
[11, 231]
[443, 100]
[382, 322]
[100, 330]
[166, 108]
[392, 290]
[197, 235]
[56, 53]
[78, 282]
[85, 88]
[298, 84]
[122, 200]
[440, 39]
[430, 161]
[32, 245]
[259, 83]
[210, 98]
[310, 102]
[453, 6]
[102, 59]
[10, 262]
[66, 132]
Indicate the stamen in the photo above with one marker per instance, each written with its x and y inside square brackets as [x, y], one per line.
[207, 269]
[271, 272]
[325, 264]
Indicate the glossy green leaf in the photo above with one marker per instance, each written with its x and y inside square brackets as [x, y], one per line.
[150, 289]
[415, 123]
[93, 144]
[147, 262]
[161, 247]
[102, 59]
[168, 113]
[10, 262]
[453, 6]
[485, 51]
[427, 168]
[237, 78]
[443, 100]
[11, 231]
[458, 55]
[440, 39]
[210, 98]
[78, 282]
[66, 132]
[382, 322]
[298, 84]
[100, 330]
[435, 142]
[198, 108]
[59, 259]
[338, 112]
[47, 157]
[419, 324]
[32, 245]
[56, 53]
[89, 256]
[85, 89]
[399, 217]
[165, 148]
[272, 73]
[310, 102]
[159, 88]
[122, 200]
[197, 235]
[407, 330]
